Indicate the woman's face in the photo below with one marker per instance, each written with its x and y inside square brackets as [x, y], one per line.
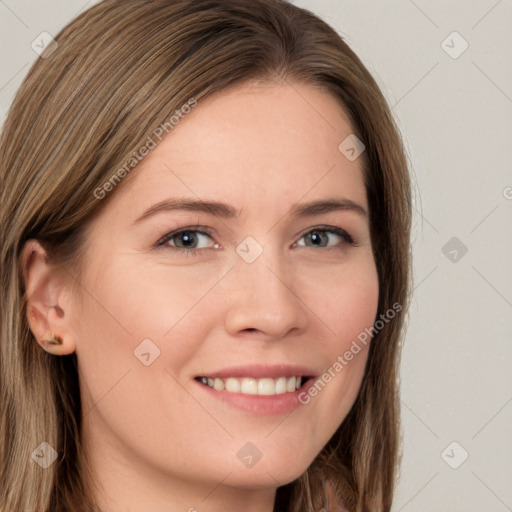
[263, 286]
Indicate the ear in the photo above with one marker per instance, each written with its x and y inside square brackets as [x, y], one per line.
[49, 302]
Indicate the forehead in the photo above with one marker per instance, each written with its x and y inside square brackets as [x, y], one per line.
[259, 144]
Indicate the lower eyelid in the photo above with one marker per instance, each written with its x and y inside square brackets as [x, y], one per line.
[164, 241]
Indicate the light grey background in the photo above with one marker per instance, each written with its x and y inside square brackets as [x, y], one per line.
[456, 118]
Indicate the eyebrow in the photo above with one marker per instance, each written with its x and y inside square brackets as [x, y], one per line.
[227, 211]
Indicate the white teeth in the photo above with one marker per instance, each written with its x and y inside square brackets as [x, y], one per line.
[281, 385]
[251, 386]
[233, 385]
[266, 387]
[218, 384]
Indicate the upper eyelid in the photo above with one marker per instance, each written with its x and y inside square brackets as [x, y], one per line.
[199, 229]
[210, 232]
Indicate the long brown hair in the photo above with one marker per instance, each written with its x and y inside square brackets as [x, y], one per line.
[119, 70]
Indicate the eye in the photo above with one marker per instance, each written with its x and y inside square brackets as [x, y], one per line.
[194, 241]
[325, 237]
[187, 240]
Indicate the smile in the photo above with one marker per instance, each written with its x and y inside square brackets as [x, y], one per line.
[251, 386]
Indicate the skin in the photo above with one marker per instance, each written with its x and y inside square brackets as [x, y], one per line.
[156, 441]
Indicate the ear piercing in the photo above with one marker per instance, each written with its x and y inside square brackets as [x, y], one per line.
[53, 340]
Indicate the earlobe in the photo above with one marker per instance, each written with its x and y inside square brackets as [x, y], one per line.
[48, 309]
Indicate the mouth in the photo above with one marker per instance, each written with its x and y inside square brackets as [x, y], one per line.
[266, 386]
[263, 390]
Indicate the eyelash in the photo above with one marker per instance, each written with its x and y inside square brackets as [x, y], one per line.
[162, 243]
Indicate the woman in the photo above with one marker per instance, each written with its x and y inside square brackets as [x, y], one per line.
[205, 263]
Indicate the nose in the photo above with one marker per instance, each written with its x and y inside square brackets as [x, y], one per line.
[263, 300]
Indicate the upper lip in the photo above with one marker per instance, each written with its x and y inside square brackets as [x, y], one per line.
[261, 371]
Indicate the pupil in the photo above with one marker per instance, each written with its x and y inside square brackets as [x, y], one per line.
[188, 238]
[316, 238]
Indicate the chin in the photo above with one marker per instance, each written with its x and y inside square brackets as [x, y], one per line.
[270, 473]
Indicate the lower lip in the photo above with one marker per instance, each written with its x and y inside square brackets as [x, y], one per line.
[263, 405]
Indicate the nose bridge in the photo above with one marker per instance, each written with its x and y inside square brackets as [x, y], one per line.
[263, 281]
[262, 296]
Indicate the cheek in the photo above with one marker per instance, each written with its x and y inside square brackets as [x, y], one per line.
[125, 396]
[130, 304]
[346, 302]
[136, 300]
[344, 299]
